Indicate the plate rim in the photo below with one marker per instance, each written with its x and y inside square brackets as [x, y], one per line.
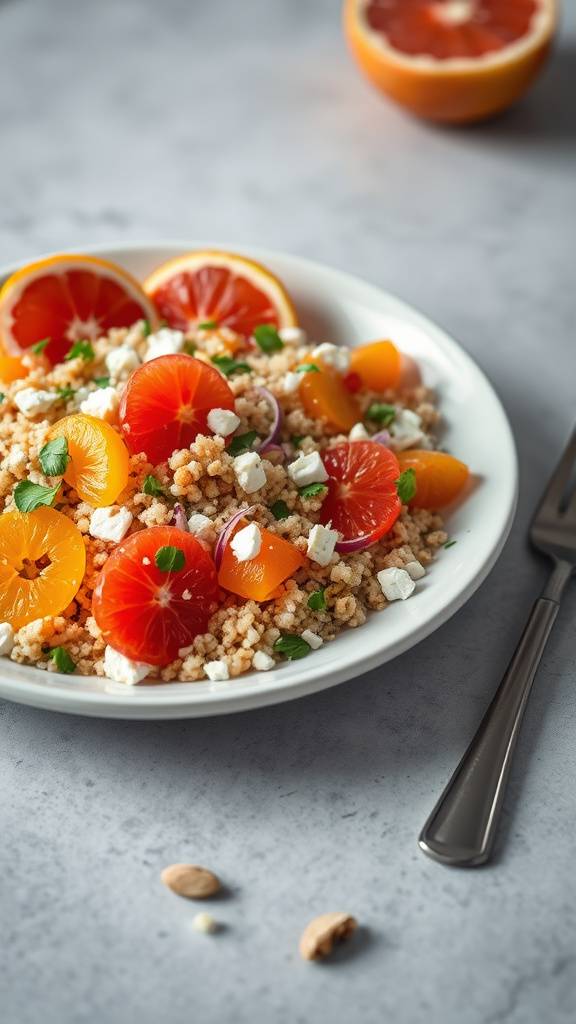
[137, 703]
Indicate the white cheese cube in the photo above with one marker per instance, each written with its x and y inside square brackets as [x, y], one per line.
[204, 922]
[308, 469]
[111, 523]
[164, 342]
[198, 523]
[396, 584]
[246, 543]
[358, 433]
[32, 401]
[217, 671]
[321, 544]
[223, 421]
[6, 638]
[405, 430]
[262, 662]
[249, 471]
[123, 670]
[291, 382]
[314, 641]
[337, 356]
[103, 404]
[293, 335]
[122, 361]
[415, 570]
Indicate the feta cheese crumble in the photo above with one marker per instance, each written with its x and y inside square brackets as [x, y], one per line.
[6, 638]
[396, 584]
[103, 404]
[123, 670]
[307, 469]
[415, 570]
[111, 523]
[358, 433]
[262, 662]
[293, 335]
[122, 361]
[337, 356]
[249, 471]
[321, 544]
[164, 342]
[223, 421]
[33, 401]
[311, 639]
[205, 923]
[246, 543]
[198, 523]
[291, 382]
[217, 671]
[405, 430]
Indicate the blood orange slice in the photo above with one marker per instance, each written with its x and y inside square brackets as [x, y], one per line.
[68, 299]
[148, 613]
[451, 60]
[221, 288]
[166, 402]
[362, 501]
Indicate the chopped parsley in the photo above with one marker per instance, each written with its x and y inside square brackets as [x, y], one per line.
[189, 347]
[29, 496]
[311, 489]
[380, 413]
[80, 350]
[54, 457]
[66, 393]
[317, 600]
[297, 438]
[102, 382]
[280, 510]
[308, 368]
[146, 329]
[152, 486]
[208, 325]
[40, 346]
[268, 339]
[242, 443]
[228, 366]
[406, 485]
[62, 659]
[450, 543]
[292, 647]
[170, 559]
[2, 396]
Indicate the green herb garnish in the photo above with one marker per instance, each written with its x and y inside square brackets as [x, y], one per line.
[292, 647]
[242, 443]
[317, 600]
[146, 329]
[102, 382]
[152, 486]
[308, 368]
[40, 346]
[297, 438]
[450, 543]
[170, 559]
[208, 325]
[228, 366]
[62, 659]
[311, 489]
[29, 496]
[382, 414]
[80, 349]
[189, 347]
[66, 393]
[2, 396]
[406, 485]
[268, 339]
[54, 457]
[280, 510]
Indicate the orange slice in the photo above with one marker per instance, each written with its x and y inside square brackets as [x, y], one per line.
[451, 60]
[12, 368]
[219, 287]
[325, 396]
[98, 467]
[42, 563]
[439, 477]
[259, 577]
[68, 299]
[378, 365]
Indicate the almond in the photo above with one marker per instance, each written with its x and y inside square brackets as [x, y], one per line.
[322, 934]
[190, 880]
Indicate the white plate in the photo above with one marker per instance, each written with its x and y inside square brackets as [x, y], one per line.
[337, 307]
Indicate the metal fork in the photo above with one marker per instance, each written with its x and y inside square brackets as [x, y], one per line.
[462, 827]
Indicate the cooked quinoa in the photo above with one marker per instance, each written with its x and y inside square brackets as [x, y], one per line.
[201, 479]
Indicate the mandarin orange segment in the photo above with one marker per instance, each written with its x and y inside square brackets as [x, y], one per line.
[12, 368]
[325, 396]
[98, 470]
[377, 364]
[439, 477]
[42, 563]
[259, 577]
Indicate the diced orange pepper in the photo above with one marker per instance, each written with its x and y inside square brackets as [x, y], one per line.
[12, 368]
[258, 577]
[378, 364]
[439, 477]
[325, 396]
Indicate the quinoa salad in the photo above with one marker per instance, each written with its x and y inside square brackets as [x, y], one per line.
[251, 543]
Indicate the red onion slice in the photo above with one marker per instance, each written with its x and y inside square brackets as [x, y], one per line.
[278, 420]
[180, 521]
[382, 437]
[345, 547]
[226, 532]
[271, 447]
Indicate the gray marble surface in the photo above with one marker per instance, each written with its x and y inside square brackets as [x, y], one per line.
[248, 123]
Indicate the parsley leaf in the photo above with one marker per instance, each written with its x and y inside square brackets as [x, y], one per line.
[40, 346]
[268, 339]
[81, 349]
[208, 325]
[317, 600]
[308, 368]
[242, 443]
[102, 382]
[29, 496]
[170, 559]
[54, 457]
[66, 393]
[280, 510]
[450, 543]
[379, 413]
[146, 329]
[296, 438]
[2, 396]
[227, 365]
[189, 348]
[406, 485]
[291, 646]
[63, 660]
[152, 486]
[311, 489]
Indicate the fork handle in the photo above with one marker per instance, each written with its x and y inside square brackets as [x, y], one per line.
[462, 826]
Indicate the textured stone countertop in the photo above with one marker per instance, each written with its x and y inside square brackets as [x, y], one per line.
[122, 120]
